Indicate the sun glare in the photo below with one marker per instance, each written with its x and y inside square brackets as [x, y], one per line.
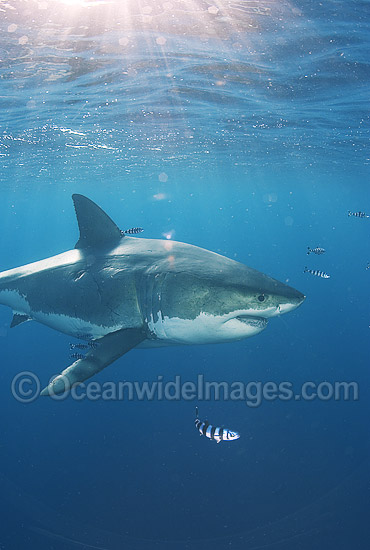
[81, 3]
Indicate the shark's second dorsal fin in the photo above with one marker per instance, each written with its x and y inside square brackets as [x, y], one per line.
[97, 230]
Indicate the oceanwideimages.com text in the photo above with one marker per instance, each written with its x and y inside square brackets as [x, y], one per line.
[26, 388]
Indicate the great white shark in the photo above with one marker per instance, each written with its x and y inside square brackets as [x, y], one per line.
[121, 292]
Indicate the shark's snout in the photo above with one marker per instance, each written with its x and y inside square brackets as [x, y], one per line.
[294, 301]
[299, 299]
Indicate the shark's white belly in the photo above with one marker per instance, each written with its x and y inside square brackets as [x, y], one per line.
[74, 326]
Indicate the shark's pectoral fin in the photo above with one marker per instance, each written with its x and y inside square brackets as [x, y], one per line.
[110, 348]
[19, 318]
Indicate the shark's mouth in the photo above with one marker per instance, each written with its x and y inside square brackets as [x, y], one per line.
[251, 321]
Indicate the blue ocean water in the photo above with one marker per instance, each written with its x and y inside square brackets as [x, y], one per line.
[241, 127]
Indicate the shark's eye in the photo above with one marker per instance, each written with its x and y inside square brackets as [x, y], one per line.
[261, 298]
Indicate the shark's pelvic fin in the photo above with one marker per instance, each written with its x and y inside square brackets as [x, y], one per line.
[19, 318]
[97, 230]
[109, 348]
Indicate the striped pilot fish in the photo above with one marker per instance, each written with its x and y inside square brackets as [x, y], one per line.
[90, 344]
[317, 273]
[358, 214]
[79, 345]
[77, 356]
[318, 250]
[214, 432]
[132, 231]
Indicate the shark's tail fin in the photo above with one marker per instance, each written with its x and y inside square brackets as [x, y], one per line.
[308, 250]
[196, 412]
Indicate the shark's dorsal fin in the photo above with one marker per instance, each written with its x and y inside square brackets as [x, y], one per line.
[97, 230]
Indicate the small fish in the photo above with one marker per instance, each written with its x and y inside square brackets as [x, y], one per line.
[316, 250]
[77, 356]
[83, 336]
[317, 272]
[92, 344]
[358, 214]
[78, 346]
[212, 432]
[368, 265]
[132, 231]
